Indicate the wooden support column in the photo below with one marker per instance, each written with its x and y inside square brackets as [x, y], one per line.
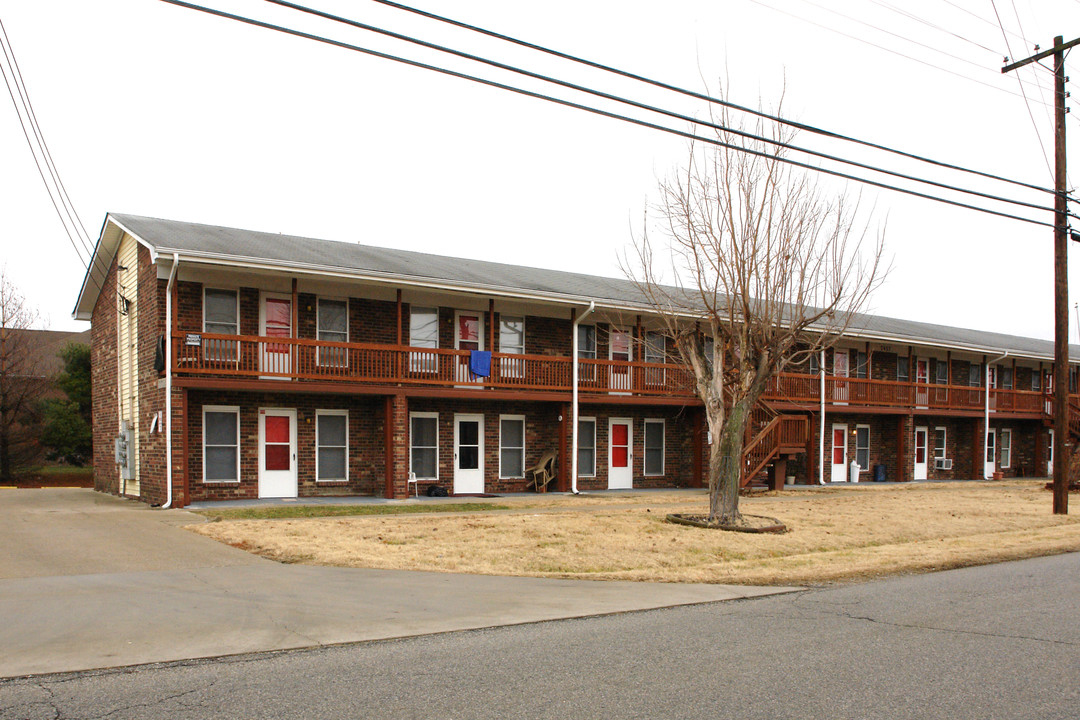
[185, 480]
[639, 350]
[698, 446]
[901, 448]
[777, 473]
[948, 367]
[396, 445]
[978, 465]
[491, 324]
[811, 450]
[295, 311]
[399, 336]
[564, 457]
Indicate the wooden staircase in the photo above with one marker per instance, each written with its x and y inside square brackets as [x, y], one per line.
[771, 435]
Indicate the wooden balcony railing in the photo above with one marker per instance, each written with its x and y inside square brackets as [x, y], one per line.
[207, 354]
[806, 389]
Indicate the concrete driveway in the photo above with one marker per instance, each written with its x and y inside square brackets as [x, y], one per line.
[90, 581]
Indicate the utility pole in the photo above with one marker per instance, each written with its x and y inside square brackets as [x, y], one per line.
[1061, 275]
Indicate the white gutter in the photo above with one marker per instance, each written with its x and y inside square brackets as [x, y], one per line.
[168, 381]
[986, 413]
[821, 434]
[574, 403]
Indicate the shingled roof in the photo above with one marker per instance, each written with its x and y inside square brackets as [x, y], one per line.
[195, 242]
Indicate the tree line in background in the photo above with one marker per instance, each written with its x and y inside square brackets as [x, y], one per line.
[43, 418]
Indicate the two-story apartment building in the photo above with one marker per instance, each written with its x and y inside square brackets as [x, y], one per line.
[241, 364]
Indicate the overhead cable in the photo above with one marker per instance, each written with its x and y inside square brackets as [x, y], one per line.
[596, 111]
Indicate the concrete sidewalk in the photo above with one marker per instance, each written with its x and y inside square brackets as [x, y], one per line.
[106, 582]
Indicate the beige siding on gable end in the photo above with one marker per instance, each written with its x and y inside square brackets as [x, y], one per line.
[127, 327]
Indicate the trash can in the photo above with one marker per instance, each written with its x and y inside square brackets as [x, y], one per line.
[879, 473]
[853, 472]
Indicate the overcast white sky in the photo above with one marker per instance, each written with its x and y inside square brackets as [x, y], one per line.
[155, 110]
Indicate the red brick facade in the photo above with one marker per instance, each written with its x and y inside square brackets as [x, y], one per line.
[379, 427]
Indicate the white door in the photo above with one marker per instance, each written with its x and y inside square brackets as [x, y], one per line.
[468, 454]
[839, 453]
[619, 353]
[991, 453]
[921, 454]
[277, 453]
[840, 370]
[468, 335]
[620, 454]
[1050, 455]
[275, 321]
[922, 378]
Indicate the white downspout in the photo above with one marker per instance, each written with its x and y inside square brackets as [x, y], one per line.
[574, 401]
[986, 414]
[168, 382]
[821, 434]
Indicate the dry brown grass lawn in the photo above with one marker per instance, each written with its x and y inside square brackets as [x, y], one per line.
[835, 534]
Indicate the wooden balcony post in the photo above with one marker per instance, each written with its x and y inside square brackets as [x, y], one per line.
[491, 324]
[698, 445]
[564, 460]
[397, 355]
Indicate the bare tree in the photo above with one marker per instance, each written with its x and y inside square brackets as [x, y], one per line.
[22, 383]
[759, 269]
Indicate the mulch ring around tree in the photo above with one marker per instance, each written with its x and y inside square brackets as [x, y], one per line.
[746, 523]
[1073, 486]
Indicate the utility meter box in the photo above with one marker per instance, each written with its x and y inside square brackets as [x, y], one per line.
[124, 451]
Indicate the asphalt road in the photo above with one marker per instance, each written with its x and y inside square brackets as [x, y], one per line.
[1000, 641]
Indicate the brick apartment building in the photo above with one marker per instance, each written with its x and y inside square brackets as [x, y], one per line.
[240, 364]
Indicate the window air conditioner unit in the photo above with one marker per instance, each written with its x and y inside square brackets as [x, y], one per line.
[942, 464]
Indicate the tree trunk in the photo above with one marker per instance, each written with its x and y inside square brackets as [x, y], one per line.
[725, 466]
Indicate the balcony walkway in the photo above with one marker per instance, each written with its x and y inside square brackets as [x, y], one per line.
[200, 359]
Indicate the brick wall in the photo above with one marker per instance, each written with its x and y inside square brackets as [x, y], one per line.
[152, 305]
[103, 390]
[366, 437]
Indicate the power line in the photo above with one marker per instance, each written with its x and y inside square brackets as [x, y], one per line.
[41, 172]
[902, 37]
[1034, 124]
[643, 106]
[586, 108]
[704, 97]
[882, 47]
[20, 84]
[913, 16]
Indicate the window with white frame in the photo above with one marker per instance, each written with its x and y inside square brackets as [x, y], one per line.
[331, 445]
[654, 447]
[424, 445]
[586, 349]
[586, 447]
[939, 443]
[942, 373]
[655, 352]
[975, 374]
[1035, 381]
[511, 446]
[221, 443]
[1006, 378]
[221, 316]
[815, 364]
[862, 447]
[1006, 449]
[512, 342]
[586, 335]
[903, 368]
[423, 333]
[333, 326]
[860, 366]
